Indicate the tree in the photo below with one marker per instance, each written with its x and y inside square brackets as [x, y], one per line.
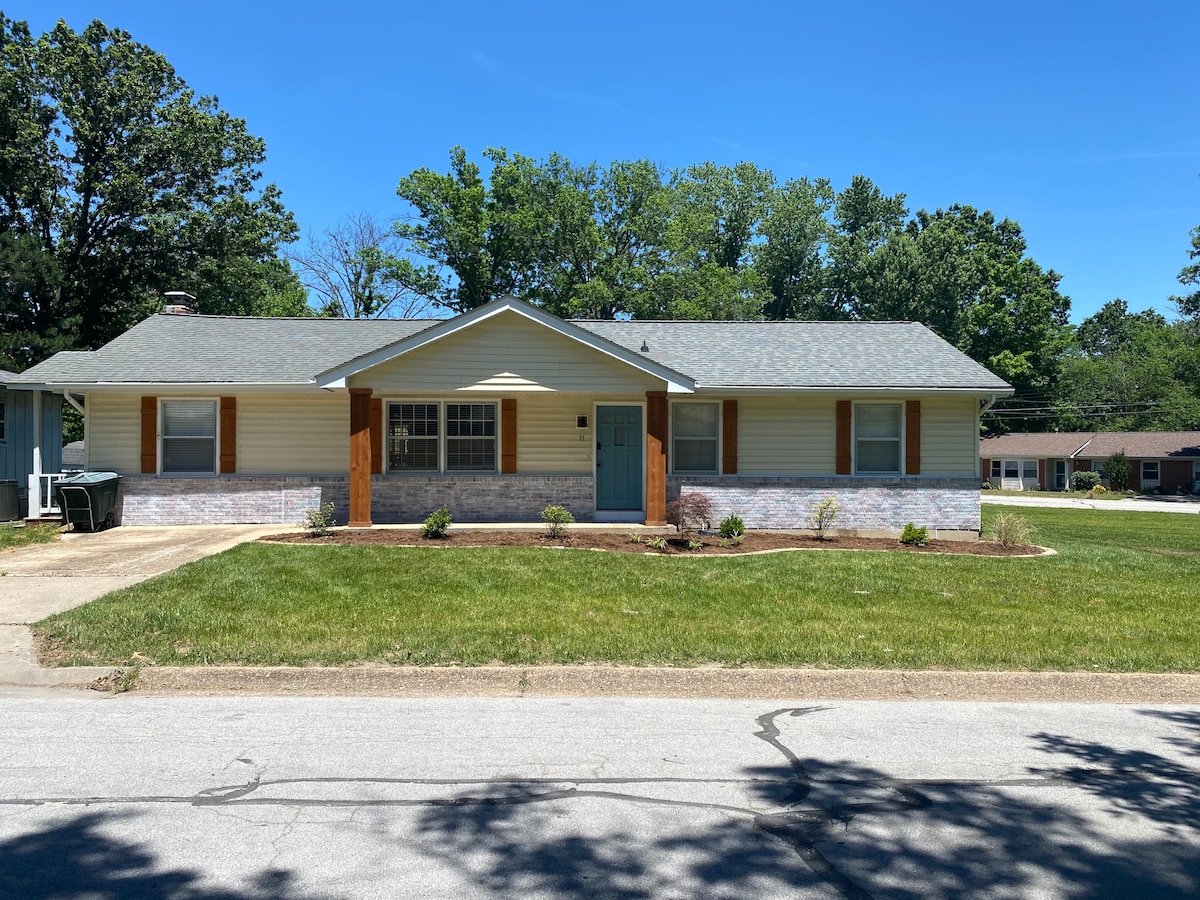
[353, 267]
[863, 219]
[1118, 470]
[116, 183]
[1190, 304]
[789, 259]
[1114, 328]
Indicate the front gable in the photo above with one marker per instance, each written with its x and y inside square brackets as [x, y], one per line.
[508, 351]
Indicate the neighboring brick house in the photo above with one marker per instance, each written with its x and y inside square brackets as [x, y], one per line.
[1168, 461]
[505, 409]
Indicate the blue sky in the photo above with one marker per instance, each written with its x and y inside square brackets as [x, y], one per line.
[1077, 120]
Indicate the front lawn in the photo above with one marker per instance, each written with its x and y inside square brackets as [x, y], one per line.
[1121, 596]
[23, 535]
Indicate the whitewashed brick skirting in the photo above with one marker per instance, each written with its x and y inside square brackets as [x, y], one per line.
[865, 504]
[283, 500]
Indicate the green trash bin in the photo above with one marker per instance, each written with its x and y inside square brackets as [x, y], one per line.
[88, 500]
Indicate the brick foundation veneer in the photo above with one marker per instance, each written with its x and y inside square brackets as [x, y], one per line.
[866, 504]
[283, 500]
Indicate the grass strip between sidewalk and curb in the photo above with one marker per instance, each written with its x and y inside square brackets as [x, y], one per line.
[1118, 597]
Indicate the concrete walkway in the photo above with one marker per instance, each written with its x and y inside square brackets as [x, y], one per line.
[1139, 504]
[43, 579]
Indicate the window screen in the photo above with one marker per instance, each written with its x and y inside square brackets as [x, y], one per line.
[877, 435]
[694, 436]
[189, 436]
[413, 437]
[471, 437]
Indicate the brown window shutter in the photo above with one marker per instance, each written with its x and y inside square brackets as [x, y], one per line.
[149, 435]
[376, 427]
[508, 436]
[844, 411]
[729, 437]
[912, 437]
[228, 435]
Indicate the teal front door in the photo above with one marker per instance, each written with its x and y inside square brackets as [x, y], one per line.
[619, 443]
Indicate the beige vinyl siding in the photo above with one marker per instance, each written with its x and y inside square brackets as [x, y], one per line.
[293, 434]
[786, 436]
[114, 432]
[548, 443]
[505, 355]
[949, 436]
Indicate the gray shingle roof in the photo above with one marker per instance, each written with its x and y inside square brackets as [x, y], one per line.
[184, 349]
[6, 376]
[803, 354]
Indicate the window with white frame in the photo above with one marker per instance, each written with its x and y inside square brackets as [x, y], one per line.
[1149, 470]
[470, 437]
[694, 429]
[189, 437]
[877, 438]
[434, 437]
[996, 468]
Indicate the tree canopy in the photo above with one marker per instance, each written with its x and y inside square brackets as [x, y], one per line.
[118, 182]
[713, 241]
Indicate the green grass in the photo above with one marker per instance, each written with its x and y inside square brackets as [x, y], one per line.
[24, 535]
[1121, 596]
[1064, 495]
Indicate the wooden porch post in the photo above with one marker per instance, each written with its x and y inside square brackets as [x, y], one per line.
[656, 457]
[360, 457]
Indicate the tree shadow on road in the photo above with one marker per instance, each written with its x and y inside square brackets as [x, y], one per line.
[81, 858]
[847, 829]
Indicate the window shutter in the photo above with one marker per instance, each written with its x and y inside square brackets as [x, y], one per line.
[149, 435]
[228, 435]
[729, 438]
[508, 436]
[376, 428]
[844, 412]
[912, 437]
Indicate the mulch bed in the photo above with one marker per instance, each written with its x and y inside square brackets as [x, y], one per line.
[576, 539]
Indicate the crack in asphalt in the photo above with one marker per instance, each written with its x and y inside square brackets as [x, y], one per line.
[801, 829]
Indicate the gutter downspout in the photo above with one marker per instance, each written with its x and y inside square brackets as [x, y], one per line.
[75, 403]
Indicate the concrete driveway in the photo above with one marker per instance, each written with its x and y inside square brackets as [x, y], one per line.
[44, 579]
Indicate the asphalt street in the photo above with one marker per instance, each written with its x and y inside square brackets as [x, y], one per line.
[293, 797]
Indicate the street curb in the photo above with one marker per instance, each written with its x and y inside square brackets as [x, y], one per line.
[615, 681]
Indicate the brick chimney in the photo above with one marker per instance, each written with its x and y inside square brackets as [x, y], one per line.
[178, 303]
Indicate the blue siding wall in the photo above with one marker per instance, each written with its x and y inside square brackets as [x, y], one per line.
[16, 450]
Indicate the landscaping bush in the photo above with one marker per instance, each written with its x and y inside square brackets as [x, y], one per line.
[557, 518]
[318, 522]
[1084, 481]
[731, 527]
[691, 512]
[1011, 530]
[437, 524]
[822, 516]
[914, 536]
[1118, 470]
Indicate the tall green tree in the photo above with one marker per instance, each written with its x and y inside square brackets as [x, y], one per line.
[117, 182]
[790, 257]
[863, 220]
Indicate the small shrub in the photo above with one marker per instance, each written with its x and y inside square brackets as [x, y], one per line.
[914, 536]
[691, 512]
[729, 543]
[822, 516]
[657, 543]
[695, 546]
[731, 527]
[1011, 530]
[437, 524]
[1099, 489]
[1118, 470]
[635, 538]
[557, 518]
[1084, 481]
[318, 522]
